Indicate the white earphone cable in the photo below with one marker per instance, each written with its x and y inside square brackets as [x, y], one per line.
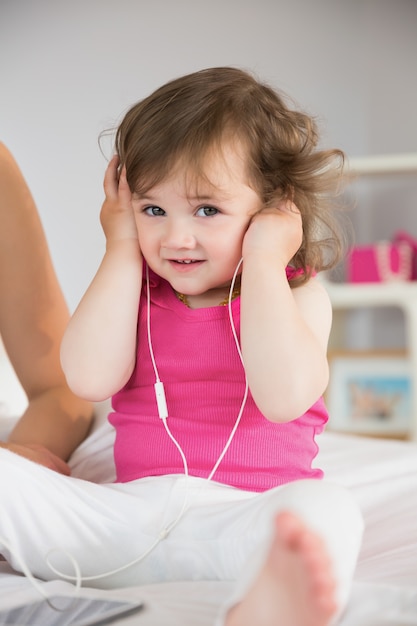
[163, 414]
[239, 351]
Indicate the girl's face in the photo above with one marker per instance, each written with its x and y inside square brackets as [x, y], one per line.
[192, 235]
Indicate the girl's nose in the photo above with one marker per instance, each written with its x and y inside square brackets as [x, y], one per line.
[178, 235]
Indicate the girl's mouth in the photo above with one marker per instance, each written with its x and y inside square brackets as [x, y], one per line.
[184, 264]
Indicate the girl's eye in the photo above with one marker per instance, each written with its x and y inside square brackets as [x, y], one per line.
[154, 210]
[207, 211]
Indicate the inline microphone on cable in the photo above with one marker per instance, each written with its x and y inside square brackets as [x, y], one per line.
[161, 400]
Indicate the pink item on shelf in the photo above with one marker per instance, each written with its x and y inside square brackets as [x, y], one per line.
[383, 261]
[402, 235]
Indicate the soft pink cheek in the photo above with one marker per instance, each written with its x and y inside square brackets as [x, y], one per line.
[147, 253]
[146, 243]
[235, 245]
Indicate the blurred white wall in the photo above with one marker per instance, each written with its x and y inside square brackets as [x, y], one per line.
[71, 69]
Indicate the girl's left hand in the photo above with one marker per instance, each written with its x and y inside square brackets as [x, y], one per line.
[278, 231]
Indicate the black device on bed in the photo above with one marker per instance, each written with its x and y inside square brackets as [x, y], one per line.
[69, 611]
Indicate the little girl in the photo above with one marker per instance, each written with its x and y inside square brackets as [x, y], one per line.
[207, 326]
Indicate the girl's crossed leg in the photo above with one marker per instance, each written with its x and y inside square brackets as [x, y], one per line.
[296, 558]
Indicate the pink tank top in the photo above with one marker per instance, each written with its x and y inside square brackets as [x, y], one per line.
[204, 385]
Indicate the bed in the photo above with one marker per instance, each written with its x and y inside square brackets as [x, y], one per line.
[381, 473]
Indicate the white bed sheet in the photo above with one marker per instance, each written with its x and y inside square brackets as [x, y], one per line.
[381, 473]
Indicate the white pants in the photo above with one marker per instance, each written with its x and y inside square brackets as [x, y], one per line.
[223, 535]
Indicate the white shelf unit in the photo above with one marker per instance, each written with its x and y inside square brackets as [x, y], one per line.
[383, 164]
[402, 295]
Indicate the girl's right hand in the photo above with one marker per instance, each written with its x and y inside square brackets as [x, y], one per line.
[117, 215]
[98, 350]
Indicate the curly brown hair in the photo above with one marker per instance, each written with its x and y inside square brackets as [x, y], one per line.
[189, 116]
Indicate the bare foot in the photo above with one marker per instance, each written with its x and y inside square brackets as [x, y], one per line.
[295, 586]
